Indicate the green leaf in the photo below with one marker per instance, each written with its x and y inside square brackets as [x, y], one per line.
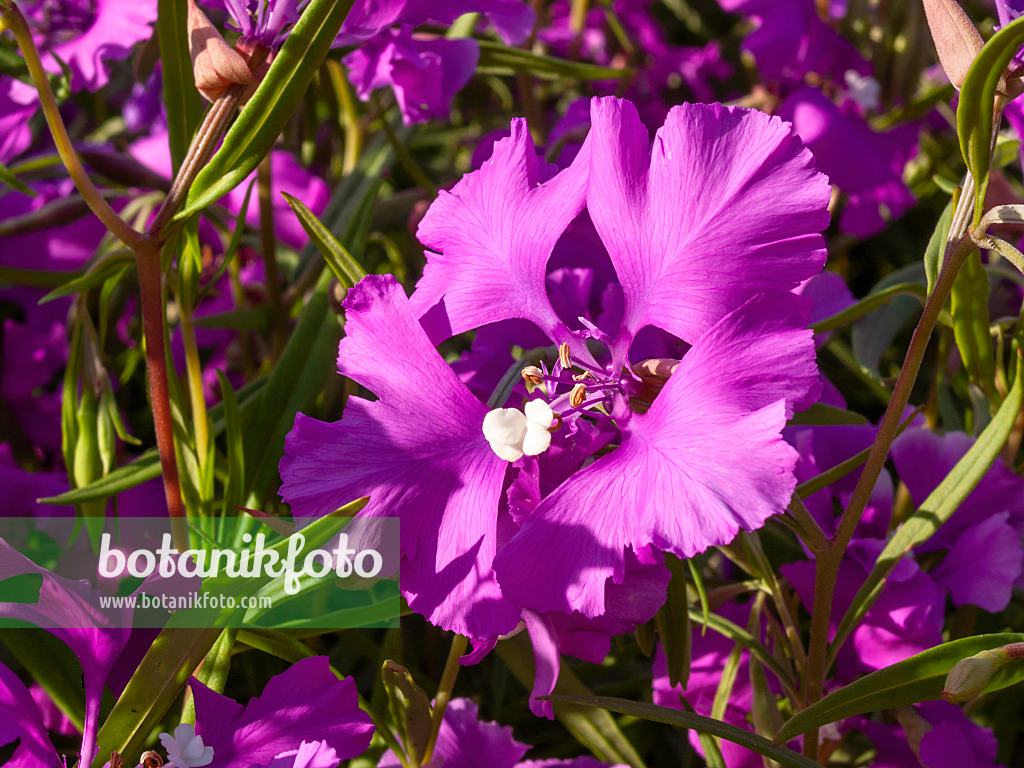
[337, 256]
[7, 177]
[277, 98]
[184, 105]
[936, 249]
[937, 508]
[969, 301]
[299, 376]
[680, 719]
[102, 269]
[51, 664]
[741, 637]
[234, 488]
[919, 678]
[829, 476]
[975, 111]
[820, 414]
[596, 730]
[673, 624]
[872, 335]
[159, 679]
[868, 304]
[498, 59]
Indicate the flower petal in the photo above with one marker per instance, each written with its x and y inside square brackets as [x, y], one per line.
[491, 238]
[727, 204]
[419, 452]
[705, 461]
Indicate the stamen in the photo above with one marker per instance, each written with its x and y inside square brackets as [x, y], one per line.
[558, 422]
[564, 358]
[533, 374]
[578, 395]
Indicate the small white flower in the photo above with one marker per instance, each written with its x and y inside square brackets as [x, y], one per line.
[185, 749]
[513, 433]
[864, 90]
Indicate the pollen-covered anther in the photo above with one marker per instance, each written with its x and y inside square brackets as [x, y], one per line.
[583, 376]
[578, 395]
[563, 355]
[533, 374]
[513, 433]
[558, 423]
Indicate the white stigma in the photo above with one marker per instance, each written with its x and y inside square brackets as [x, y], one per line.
[864, 90]
[513, 434]
[185, 749]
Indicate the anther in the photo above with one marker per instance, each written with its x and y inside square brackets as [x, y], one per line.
[564, 357]
[151, 759]
[578, 395]
[558, 422]
[116, 761]
[533, 374]
[583, 376]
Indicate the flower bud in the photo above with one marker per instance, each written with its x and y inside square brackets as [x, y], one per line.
[215, 65]
[956, 39]
[970, 676]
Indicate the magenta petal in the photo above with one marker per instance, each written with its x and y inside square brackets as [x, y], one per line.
[705, 461]
[20, 719]
[491, 238]
[727, 204]
[118, 25]
[305, 703]
[419, 453]
[983, 581]
[547, 661]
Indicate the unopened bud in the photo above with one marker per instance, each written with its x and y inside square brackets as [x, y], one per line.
[564, 357]
[956, 39]
[970, 676]
[216, 66]
[533, 374]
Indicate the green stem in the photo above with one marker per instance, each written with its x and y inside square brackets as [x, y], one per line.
[826, 572]
[12, 18]
[444, 693]
[268, 244]
[194, 371]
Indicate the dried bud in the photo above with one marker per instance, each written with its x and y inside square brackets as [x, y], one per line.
[578, 395]
[564, 357]
[215, 65]
[956, 39]
[533, 374]
[970, 676]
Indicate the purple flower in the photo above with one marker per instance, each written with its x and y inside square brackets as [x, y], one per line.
[418, 452]
[790, 40]
[679, 485]
[990, 519]
[21, 721]
[305, 718]
[262, 21]
[512, 19]
[88, 36]
[464, 739]
[424, 73]
[866, 165]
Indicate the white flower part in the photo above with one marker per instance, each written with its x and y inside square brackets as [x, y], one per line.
[539, 417]
[185, 749]
[511, 433]
[863, 89]
[505, 429]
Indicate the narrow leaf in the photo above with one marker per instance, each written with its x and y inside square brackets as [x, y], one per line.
[277, 98]
[680, 719]
[975, 111]
[938, 507]
[911, 681]
[498, 59]
[337, 256]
